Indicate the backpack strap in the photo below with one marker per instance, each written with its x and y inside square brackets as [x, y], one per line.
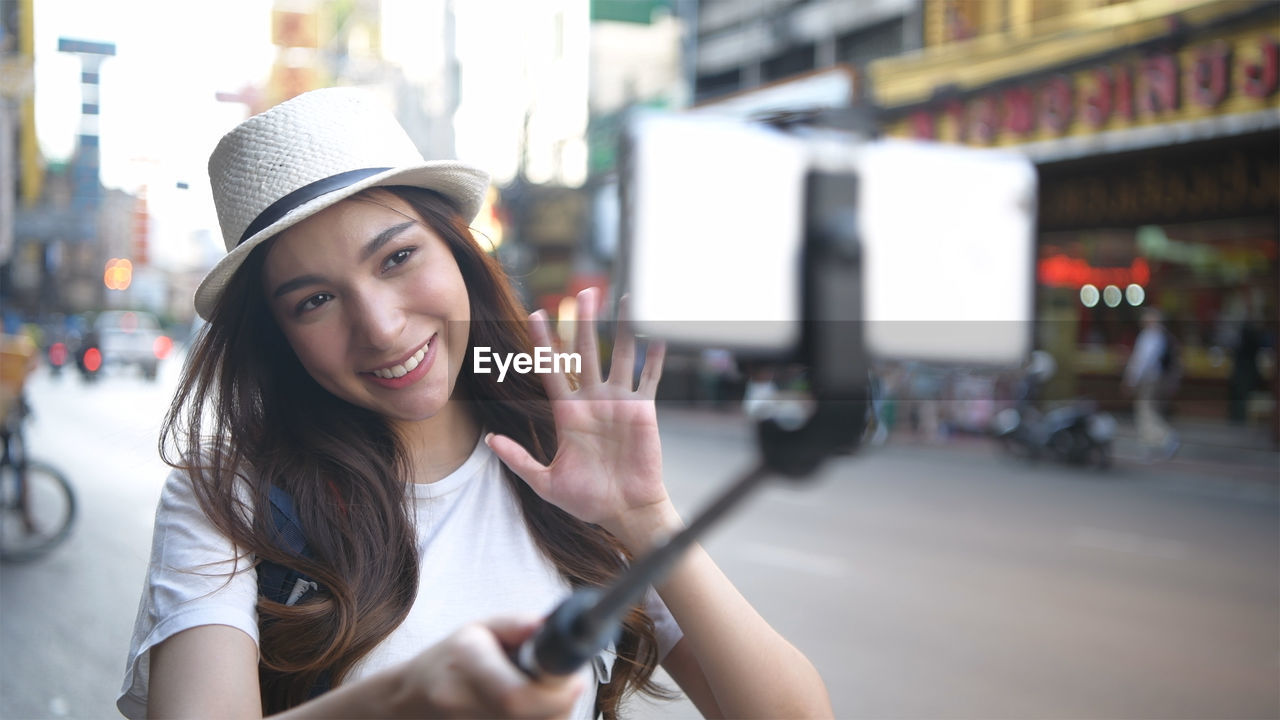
[281, 583]
[277, 582]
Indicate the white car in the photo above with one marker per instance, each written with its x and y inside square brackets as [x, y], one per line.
[131, 337]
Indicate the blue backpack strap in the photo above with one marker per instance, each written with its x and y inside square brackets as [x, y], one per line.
[277, 582]
[280, 583]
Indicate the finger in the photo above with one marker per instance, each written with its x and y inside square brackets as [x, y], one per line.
[622, 366]
[585, 341]
[546, 698]
[513, 455]
[500, 688]
[653, 359]
[512, 630]
[556, 384]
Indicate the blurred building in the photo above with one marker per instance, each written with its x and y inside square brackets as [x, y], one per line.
[636, 60]
[536, 89]
[745, 58]
[55, 216]
[19, 154]
[1155, 128]
[403, 49]
[743, 46]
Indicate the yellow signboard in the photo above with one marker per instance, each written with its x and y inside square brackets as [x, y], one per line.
[1227, 74]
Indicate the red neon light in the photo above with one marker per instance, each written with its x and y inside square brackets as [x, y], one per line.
[1065, 271]
[92, 359]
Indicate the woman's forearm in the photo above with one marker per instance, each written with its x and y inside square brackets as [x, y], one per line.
[383, 695]
[751, 670]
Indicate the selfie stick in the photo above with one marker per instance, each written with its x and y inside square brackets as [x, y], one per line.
[831, 345]
[588, 620]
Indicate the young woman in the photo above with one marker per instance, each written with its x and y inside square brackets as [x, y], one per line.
[443, 510]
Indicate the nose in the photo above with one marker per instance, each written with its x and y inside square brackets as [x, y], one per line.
[376, 320]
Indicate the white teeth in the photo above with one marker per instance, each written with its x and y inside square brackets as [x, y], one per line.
[401, 370]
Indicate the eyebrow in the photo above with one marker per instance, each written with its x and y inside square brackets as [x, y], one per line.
[383, 238]
[366, 252]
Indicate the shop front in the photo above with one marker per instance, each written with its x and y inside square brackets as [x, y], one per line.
[1157, 141]
[1190, 229]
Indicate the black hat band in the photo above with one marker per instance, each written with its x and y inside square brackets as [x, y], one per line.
[306, 194]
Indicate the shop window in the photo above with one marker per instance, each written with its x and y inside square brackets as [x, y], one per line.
[791, 62]
[715, 85]
[948, 21]
[866, 44]
[1215, 281]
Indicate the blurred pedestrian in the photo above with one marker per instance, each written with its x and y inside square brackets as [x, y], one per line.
[1245, 374]
[1150, 377]
[717, 371]
[329, 403]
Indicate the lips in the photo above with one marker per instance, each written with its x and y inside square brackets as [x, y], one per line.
[407, 371]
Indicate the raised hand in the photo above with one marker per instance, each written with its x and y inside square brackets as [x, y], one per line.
[608, 465]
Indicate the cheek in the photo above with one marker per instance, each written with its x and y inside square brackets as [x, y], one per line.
[444, 295]
[451, 298]
[315, 354]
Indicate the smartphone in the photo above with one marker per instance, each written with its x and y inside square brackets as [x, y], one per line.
[714, 239]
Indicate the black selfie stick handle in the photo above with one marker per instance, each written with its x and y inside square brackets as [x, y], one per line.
[565, 641]
[588, 620]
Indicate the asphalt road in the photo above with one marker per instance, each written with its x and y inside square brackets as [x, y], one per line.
[923, 582]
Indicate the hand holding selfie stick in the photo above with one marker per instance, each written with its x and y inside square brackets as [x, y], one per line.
[589, 619]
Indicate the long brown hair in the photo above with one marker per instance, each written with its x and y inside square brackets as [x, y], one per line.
[247, 415]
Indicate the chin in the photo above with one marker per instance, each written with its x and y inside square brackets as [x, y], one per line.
[423, 407]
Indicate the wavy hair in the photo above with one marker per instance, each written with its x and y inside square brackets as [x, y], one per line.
[246, 415]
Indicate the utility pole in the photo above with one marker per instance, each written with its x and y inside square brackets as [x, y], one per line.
[86, 188]
[86, 181]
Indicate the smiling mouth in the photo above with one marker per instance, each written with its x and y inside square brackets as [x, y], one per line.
[406, 367]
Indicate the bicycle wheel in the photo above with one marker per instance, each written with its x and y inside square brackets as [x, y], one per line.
[35, 521]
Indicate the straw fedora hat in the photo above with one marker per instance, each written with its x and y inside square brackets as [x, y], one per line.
[301, 156]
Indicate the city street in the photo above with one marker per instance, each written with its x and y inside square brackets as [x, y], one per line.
[922, 581]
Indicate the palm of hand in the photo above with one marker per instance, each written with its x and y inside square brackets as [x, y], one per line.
[609, 458]
[608, 462]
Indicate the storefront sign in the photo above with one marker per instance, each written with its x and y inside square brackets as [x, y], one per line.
[1211, 78]
[1218, 182]
[1060, 270]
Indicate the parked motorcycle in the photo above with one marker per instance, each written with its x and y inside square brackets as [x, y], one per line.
[1075, 432]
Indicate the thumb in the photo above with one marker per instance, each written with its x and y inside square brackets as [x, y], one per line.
[514, 456]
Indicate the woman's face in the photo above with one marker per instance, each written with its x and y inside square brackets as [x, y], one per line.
[373, 303]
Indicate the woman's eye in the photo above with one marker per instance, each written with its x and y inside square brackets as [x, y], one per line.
[398, 257]
[313, 302]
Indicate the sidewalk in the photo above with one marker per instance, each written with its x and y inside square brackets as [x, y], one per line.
[1235, 451]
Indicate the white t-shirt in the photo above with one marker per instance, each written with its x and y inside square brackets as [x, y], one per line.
[477, 560]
